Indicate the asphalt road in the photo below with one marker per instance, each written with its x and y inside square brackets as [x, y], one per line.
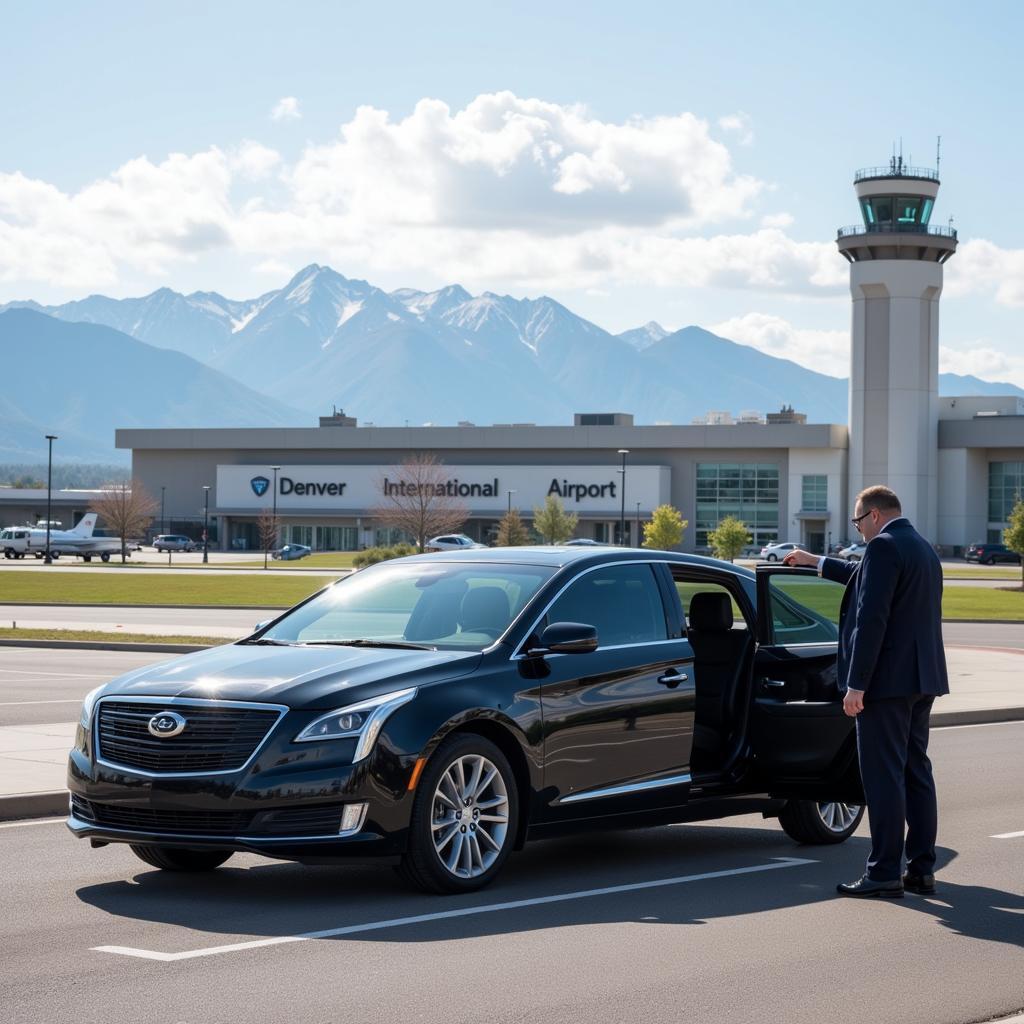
[767, 939]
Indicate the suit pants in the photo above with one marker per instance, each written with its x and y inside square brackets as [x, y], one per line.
[892, 746]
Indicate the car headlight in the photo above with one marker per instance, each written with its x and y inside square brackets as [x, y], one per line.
[363, 720]
[87, 706]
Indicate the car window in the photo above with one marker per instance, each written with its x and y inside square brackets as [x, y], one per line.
[622, 601]
[687, 588]
[456, 606]
[804, 609]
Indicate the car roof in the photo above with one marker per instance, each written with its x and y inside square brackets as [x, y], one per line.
[561, 556]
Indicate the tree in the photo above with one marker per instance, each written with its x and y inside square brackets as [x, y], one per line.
[1013, 536]
[126, 509]
[511, 531]
[419, 501]
[665, 530]
[729, 539]
[552, 522]
[267, 526]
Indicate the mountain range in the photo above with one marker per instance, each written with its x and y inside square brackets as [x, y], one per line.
[411, 356]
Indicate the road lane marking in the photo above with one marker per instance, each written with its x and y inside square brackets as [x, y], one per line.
[490, 908]
[38, 821]
[59, 675]
[1008, 835]
[976, 725]
[21, 703]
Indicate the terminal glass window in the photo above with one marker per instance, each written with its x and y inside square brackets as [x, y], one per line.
[1005, 489]
[907, 209]
[815, 493]
[748, 491]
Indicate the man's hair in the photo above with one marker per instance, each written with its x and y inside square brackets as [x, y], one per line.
[880, 497]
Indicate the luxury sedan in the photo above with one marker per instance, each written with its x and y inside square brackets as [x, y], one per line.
[439, 711]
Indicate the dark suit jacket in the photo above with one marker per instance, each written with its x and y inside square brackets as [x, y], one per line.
[890, 620]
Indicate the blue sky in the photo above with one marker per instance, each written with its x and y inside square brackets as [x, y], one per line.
[679, 162]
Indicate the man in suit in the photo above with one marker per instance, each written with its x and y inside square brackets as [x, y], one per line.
[892, 665]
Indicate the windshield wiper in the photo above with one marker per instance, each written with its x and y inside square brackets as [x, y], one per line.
[270, 642]
[367, 642]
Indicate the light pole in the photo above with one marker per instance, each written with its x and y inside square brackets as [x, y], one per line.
[622, 514]
[510, 493]
[163, 521]
[206, 523]
[274, 513]
[49, 487]
[638, 524]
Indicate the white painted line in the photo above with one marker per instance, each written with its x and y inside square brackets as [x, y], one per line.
[20, 703]
[37, 821]
[1008, 835]
[56, 675]
[977, 725]
[490, 908]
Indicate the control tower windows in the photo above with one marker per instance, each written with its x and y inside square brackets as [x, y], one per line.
[896, 213]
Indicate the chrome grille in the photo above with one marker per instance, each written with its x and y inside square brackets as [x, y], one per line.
[218, 737]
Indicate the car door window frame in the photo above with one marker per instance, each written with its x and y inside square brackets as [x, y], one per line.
[766, 622]
[518, 654]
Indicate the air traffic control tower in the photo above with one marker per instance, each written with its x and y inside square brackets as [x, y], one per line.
[896, 260]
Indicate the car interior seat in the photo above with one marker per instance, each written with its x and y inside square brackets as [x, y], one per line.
[485, 610]
[436, 613]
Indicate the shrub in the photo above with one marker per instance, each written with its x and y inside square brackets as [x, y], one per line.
[371, 556]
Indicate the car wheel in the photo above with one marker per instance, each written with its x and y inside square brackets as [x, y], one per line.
[464, 817]
[815, 823]
[178, 858]
[989, 561]
[8, 553]
[772, 558]
[105, 557]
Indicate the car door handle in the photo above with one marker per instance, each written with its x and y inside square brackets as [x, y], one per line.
[774, 684]
[672, 679]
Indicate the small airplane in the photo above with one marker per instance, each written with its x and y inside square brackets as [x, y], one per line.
[19, 541]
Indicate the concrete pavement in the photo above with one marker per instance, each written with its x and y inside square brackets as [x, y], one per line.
[38, 706]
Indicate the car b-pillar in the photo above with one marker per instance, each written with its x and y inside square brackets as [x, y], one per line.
[896, 259]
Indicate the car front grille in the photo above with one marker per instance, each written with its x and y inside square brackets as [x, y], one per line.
[322, 820]
[216, 737]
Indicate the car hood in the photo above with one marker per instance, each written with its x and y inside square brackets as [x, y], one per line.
[299, 677]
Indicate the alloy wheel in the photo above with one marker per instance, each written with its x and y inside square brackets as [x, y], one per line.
[837, 817]
[469, 816]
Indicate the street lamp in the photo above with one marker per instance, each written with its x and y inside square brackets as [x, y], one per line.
[206, 523]
[163, 521]
[274, 513]
[510, 493]
[622, 514]
[638, 524]
[49, 486]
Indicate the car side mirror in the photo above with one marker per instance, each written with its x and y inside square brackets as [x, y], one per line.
[567, 638]
[261, 625]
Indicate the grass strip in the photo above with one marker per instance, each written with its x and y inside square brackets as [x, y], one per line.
[155, 588]
[100, 636]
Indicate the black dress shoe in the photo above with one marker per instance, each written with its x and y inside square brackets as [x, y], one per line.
[865, 888]
[923, 885]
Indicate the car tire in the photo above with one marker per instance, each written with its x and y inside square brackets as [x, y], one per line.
[428, 863]
[180, 858]
[105, 557]
[771, 558]
[815, 824]
[989, 561]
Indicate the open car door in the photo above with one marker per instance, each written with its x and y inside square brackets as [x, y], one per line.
[804, 745]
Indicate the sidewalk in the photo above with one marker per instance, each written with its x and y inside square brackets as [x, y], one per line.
[986, 686]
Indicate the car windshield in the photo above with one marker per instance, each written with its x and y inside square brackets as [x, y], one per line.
[446, 605]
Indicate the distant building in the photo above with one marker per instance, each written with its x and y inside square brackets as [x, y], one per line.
[787, 414]
[337, 419]
[603, 419]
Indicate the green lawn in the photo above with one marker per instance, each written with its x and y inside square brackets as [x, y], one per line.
[101, 637]
[155, 588]
[327, 560]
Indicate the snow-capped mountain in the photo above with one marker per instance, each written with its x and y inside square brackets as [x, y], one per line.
[446, 355]
[644, 337]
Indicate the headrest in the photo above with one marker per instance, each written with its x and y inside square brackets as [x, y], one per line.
[710, 612]
[484, 607]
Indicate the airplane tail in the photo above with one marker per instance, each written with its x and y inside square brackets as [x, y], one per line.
[85, 525]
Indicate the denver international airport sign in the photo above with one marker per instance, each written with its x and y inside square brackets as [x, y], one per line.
[339, 489]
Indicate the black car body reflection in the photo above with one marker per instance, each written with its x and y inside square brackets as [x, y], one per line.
[441, 710]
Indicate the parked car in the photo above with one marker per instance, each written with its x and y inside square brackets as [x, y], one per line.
[291, 551]
[442, 710]
[989, 554]
[854, 553]
[452, 542]
[174, 542]
[776, 552]
[584, 542]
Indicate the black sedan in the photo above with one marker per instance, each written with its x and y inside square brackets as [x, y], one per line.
[440, 710]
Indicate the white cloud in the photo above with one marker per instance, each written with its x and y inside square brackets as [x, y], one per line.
[740, 125]
[980, 266]
[981, 360]
[824, 351]
[776, 220]
[255, 161]
[285, 109]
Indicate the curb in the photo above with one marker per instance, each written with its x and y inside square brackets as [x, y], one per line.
[114, 645]
[34, 805]
[54, 804]
[177, 607]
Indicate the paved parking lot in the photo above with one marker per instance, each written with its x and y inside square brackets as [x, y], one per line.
[725, 921]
